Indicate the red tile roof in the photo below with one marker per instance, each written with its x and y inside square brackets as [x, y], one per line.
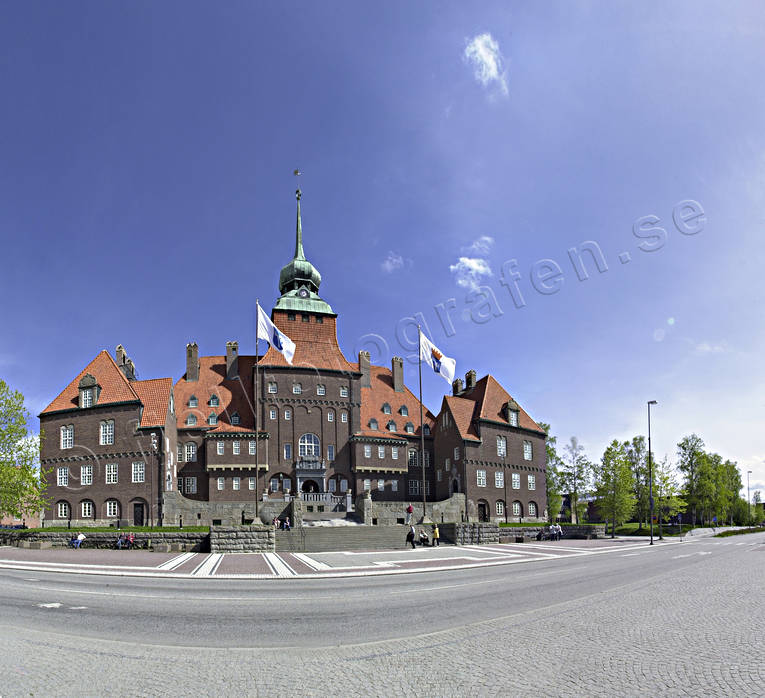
[380, 392]
[155, 397]
[114, 386]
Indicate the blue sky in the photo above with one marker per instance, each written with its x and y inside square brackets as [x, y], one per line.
[147, 196]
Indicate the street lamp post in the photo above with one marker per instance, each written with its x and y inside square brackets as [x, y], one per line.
[748, 501]
[650, 469]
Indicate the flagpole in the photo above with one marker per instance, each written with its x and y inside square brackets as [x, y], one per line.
[422, 431]
[257, 410]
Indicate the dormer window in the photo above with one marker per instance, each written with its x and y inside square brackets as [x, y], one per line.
[404, 411]
[235, 418]
[191, 420]
[391, 426]
[89, 389]
[297, 389]
[87, 398]
[193, 402]
[212, 420]
[426, 430]
[513, 418]
[373, 424]
[386, 408]
[214, 401]
[409, 428]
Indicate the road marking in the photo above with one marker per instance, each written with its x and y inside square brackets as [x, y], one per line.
[310, 562]
[49, 605]
[77, 608]
[208, 567]
[630, 554]
[677, 557]
[176, 561]
[279, 566]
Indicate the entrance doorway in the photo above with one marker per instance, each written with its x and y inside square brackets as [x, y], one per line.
[483, 511]
[138, 514]
[310, 486]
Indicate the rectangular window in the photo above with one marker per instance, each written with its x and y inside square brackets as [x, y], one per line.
[456, 453]
[330, 416]
[112, 508]
[516, 480]
[251, 483]
[427, 459]
[321, 390]
[67, 436]
[532, 482]
[191, 485]
[87, 397]
[343, 485]
[344, 391]
[394, 452]
[367, 485]
[111, 473]
[381, 451]
[287, 451]
[501, 446]
[413, 461]
[107, 433]
[180, 453]
[333, 486]
[439, 474]
[500, 508]
[236, 448]
[191, 452]
[220, 448]
[499, 479]
[139, 472]
[394, 485]
[251, 447]
[513, 418]
[381, 485]
[516, 508]
[344, 417]
[527, 450]
[367, 451]
[86, 474]
[447, 465]
[480, 478]
[272, 388]
[297, 389]
[221, 483]
[286, 484]
[272, 414]
[415, 487]
[62, 477]
[236, 483]
[330, 452]
[87, 510]
[63, 510]
[274, 484]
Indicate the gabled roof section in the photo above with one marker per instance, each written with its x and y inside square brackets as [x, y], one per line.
[380, 392]
[462, 411]
[114, 386]
[234, 395]
[155, 397]
[493, 400]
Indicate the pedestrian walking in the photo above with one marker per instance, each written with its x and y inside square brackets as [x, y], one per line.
[410, 536]
[436, 536]
[409, 512]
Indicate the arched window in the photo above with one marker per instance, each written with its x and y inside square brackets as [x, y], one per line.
[532, 509]
[373, 424]
[309, 446]
[386, 408]
[517, 509]
[391, 426]
[191, 452]
[212, 419]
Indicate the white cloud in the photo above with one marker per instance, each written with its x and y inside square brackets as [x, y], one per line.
[392, 262]
[482, 52]
[481, 246]
[705, 347]
[469, 272]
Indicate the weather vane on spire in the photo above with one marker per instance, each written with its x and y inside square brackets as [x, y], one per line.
[297, 173]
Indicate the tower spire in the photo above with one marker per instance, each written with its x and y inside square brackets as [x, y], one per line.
[299, 254]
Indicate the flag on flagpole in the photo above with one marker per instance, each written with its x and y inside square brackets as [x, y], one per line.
[274, 336]
[442, 365]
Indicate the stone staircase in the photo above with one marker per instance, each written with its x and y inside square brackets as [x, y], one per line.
[321, 539]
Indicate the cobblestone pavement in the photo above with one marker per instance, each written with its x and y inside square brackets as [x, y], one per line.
[691, 630]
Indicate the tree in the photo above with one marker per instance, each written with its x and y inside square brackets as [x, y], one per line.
[22, 485]
[690, 453]
[756, 499]
[636, 453]
[614, 485]
[668, 500]
[728, 485]
[575, 475]
[552, 476]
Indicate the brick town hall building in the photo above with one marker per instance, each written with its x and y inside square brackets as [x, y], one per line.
[146, 452]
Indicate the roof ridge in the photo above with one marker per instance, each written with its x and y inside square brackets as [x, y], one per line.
[119, 370]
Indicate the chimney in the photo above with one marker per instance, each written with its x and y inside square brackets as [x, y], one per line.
[365, 368]
[470, 379]
[397, 366]
[120, 355]
[129, 369]
[457, 386]
[192, 362]
[232, 360]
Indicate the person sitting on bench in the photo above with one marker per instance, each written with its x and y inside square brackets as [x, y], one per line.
[424, 538]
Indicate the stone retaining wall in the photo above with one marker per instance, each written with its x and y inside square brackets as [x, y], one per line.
[178, 540]
[370, 512]
[191, 512]
[512, 534]
[242, 539]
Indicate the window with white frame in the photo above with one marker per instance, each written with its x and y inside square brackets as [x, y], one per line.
[513, 418]
[191, 485]
[381, 485]
[427, 459]
[343, 485]
[106, 433]
[63, 510]
[251, 448]
[501, 446]
[438, 475]
[86, 474]
[381, 451]
[500, 508]
[367, 485]
[499, 478]
[87, 397]
[236, 448]
[139, 471]
[343, 391]
[330, 452]
[212, 420]
[456, 453]
[236, 483]
[333, 486]
[111, 470]
[112, 508]
[272, 413]
[235, 419]
[413, 461]
[386, 408]
[532, 482]
[62, 477]
[391, 426]
[527, 450]
[517, 509]
[330, 415]
[287, 451]
[480, 478]
[273, 484]
[193, 402]
[288, 414]
[415, 487]
[221, 483]
[373, 424]
[191, 452]
[297, 389]
[220, 448]
[343, 417]
[532, 509]
[321, 389]
[394, 485]
[214, 401]
[251, 483]
[87, 509]
[409, 428]
[367, 451]
[309, 447]
[191, 420]
[272, 388]
[516, 480]
[394, 452]
[180, 453]
[404, 411]
[447, 465]
[67, 436]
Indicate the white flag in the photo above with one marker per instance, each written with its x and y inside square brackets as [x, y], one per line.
[442, 365]
[274, 336]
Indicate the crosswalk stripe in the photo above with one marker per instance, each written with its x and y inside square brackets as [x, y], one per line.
[310, 562]
[208, 567]
[177, 561]
[279, 566]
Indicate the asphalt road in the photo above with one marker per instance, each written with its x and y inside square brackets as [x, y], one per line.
[681, 619]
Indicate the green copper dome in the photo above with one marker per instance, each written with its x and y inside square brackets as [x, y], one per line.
[299, 280]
